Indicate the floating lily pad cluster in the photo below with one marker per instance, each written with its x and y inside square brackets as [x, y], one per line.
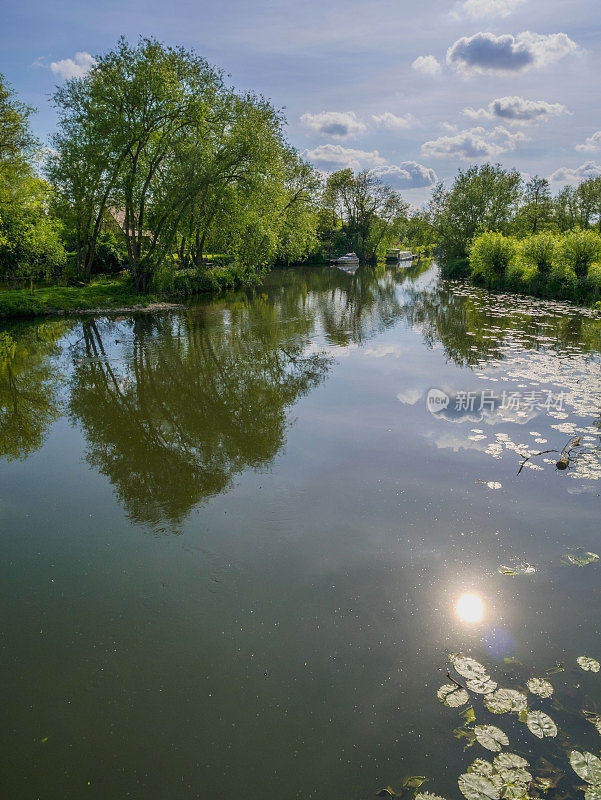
[576, 557]
[508, 776]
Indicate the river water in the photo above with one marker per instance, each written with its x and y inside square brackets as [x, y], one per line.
[234, 537]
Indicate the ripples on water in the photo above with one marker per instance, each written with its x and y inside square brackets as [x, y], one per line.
[238, 547]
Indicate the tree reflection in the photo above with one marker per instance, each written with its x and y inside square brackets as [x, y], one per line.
[171, 414]
[29, 386]
[474, 326]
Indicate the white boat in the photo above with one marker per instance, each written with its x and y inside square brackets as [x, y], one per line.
[396, 254]
[348, 259]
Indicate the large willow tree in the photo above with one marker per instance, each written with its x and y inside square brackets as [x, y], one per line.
[153, 136]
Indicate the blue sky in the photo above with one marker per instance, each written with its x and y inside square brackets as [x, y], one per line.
[413, 90]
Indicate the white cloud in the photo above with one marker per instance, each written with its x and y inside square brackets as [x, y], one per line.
[410, 396]
[335, 156]
[474, 143]
[393, 122]
[590, 169]
[517, 109]
[427, 65]
[75, 67]
[592, 144]
[487, 53]
[337, 124]
[406, 175]
[478, 9]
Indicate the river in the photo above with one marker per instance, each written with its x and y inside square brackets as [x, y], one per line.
[240, 541]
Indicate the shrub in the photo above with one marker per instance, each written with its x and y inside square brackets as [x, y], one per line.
[522, 275]
[540, 251]
[579, 249]
[490, 256]
[110, 255]
[185, 282]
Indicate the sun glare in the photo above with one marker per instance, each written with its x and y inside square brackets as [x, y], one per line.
[470, 607]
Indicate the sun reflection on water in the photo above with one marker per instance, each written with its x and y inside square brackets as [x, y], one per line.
[470, 607]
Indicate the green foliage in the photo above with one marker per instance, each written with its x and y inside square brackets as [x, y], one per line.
[30, 237]
[366, 215]
[185, 282]
[565, 266]
[490, 256]
[540, 251]
[153, 142]
[579, 249]
[481, 199]
[110, 255]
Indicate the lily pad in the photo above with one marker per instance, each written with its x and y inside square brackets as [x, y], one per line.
[414, 782]
[518, 568]
[541, 724]
[586, 766]
[504, 700]
[482, 684]
[540, 687]
[588, 664]
[509, 761]
[579, 558]
[428, 796]
[592, 793]
[478, 787]
[517, 777]
[452, 695]
[482, 767]
[491, 737]
[515, 791]
[466, 666]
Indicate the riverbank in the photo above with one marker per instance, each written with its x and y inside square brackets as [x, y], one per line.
[117, 294]
[545, 265]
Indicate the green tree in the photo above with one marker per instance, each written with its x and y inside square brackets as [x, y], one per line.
[372, 214]
[30, 237]
[481, 198]
[537, 210]
[153, 137]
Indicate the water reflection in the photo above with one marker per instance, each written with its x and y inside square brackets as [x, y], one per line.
[29, 386]
[173, 407]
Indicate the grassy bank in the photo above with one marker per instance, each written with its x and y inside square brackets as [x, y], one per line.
[117, 293]
[554, 266]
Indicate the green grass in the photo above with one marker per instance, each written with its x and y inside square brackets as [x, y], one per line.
[118, 292]
[104, 293]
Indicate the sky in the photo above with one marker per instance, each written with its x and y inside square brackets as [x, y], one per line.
[412, 90]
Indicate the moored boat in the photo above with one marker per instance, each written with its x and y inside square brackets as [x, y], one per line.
[396, 254]
[348, 258]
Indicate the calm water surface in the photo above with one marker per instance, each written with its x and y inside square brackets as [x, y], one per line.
[233, 538]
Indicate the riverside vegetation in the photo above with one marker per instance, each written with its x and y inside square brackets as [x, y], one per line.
[162, 182]
[168, 180]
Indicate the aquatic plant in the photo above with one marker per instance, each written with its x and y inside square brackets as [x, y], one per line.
[509, 775]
